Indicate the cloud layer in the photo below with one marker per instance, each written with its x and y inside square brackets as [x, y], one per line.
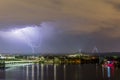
[73, 24]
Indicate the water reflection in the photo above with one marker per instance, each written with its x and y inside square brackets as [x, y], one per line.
[108, 72]
[33, 72]
[2, 74]
[64, 72]
[46, 72]
[55, 72]
[61, 72]
[42, 71]
[38, 71]
[27, 72]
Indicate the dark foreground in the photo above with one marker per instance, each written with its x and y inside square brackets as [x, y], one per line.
[60, 72]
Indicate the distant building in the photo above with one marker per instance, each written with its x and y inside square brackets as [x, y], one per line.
[2, 57]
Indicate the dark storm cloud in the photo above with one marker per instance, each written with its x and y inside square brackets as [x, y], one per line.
[63, 25]
[115, 4]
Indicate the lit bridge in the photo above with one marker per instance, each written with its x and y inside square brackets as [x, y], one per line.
[19, 63]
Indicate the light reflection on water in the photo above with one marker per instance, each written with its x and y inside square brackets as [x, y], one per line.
[61, 72]
[64, 71]
[109, 72]
[42, 71]
[27, 72]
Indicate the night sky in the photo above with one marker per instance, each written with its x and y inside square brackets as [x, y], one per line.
[59, 26]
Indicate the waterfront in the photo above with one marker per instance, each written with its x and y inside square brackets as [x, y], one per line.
[60, 72]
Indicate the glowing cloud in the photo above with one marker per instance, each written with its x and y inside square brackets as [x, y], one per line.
[30, 35]
[27, 34]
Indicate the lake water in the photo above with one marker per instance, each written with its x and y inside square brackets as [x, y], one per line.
[60, 72]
